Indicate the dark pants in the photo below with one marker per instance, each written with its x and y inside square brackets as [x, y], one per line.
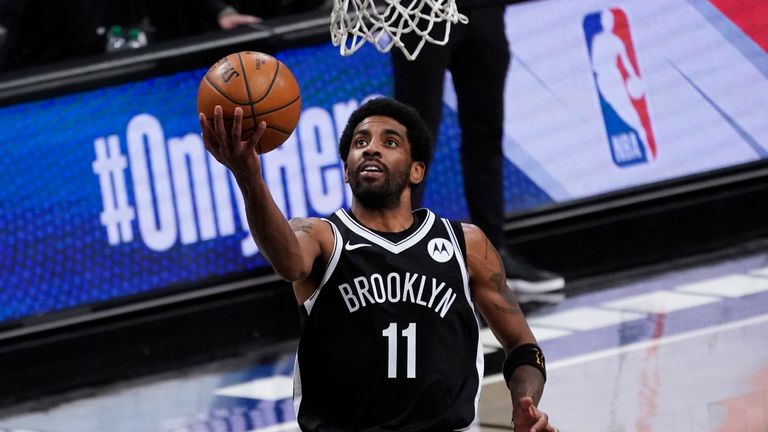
[477, 56]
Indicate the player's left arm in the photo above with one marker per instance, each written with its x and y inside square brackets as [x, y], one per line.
[499, 307]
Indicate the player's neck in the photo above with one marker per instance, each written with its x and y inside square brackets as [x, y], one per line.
[396, 219]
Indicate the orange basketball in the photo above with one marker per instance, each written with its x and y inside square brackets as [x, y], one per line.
[262, 86]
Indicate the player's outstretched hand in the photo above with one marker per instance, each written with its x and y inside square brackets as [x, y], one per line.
[528, 418]
[226, 145]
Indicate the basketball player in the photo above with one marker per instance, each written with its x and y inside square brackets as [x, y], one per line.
[390, 340]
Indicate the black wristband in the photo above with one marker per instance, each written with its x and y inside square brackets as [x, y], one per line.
[527, 354]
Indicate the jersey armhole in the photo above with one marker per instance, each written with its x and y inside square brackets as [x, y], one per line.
[459, 230]
[319, 267]
[321, 273]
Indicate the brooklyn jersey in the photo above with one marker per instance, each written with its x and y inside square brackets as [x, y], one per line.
[390, 339]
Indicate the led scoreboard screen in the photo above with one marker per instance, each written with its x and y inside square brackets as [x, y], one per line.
[109, 194]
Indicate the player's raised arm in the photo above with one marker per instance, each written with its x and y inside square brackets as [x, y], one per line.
[524, 370]
[290, 253]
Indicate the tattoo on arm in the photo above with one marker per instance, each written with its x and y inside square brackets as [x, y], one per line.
[498, 280]
[302, 225]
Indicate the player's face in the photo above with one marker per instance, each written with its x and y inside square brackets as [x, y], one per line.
[379, 165]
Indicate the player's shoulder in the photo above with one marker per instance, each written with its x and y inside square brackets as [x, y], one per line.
[473, 234]
[312, 226]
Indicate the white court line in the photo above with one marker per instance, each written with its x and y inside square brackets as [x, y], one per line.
[659, 302]
[732, 286]
[266, 388]
[585, 358]
[290, 426]
[584, 318]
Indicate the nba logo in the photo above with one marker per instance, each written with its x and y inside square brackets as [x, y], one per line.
[619, 84]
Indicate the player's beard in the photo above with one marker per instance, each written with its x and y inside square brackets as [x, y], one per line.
[381, 195]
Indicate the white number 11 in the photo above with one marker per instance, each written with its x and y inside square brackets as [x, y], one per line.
[391, 334]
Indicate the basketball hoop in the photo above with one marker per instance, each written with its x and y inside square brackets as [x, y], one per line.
[353, 22]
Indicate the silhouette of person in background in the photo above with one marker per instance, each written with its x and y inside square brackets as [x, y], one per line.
[37, 32]
[274, 8]
[46, 31]
[477, 55]
[172, 19]
[178, 18]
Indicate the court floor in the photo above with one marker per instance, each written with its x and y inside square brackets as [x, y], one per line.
[683, 350]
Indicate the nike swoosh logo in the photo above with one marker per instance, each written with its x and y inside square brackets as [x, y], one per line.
[350, 247]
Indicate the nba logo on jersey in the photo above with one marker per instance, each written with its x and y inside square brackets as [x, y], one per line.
[620, 87]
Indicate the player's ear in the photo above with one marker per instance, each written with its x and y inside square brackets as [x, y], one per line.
[417, 172]
[346, 173]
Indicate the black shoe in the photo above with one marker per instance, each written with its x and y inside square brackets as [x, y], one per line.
[525, 278]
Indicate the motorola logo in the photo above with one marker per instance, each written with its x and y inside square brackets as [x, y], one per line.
[440, 249]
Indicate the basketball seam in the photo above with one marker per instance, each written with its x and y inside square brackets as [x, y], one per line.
[248, 92]
[281, 131]
[281, 107]
[268, 127]
[221, 92]
[248, 129]
[261, 113]
[271, 83]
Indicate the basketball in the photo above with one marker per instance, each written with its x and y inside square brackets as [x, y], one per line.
[262, 86]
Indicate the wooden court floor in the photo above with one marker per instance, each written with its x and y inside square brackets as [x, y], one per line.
[682, 350]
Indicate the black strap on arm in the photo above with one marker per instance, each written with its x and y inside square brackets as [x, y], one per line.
[527, 354]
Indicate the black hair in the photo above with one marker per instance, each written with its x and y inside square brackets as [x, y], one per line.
[418, 133]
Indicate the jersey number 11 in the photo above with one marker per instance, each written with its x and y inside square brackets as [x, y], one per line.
[410, 335]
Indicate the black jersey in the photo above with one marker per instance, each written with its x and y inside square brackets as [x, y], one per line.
[390, 339]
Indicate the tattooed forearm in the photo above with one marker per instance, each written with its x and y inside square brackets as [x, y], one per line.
[510, 305]
[509, 296]
[500, 283]
[302, 225]
[513, 309]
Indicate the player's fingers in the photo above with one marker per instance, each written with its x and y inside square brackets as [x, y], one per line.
[220, 130]
[542, 421]
[203, 126]
[207, 133]
[237, 126]
[257, 134]
[525, 403]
